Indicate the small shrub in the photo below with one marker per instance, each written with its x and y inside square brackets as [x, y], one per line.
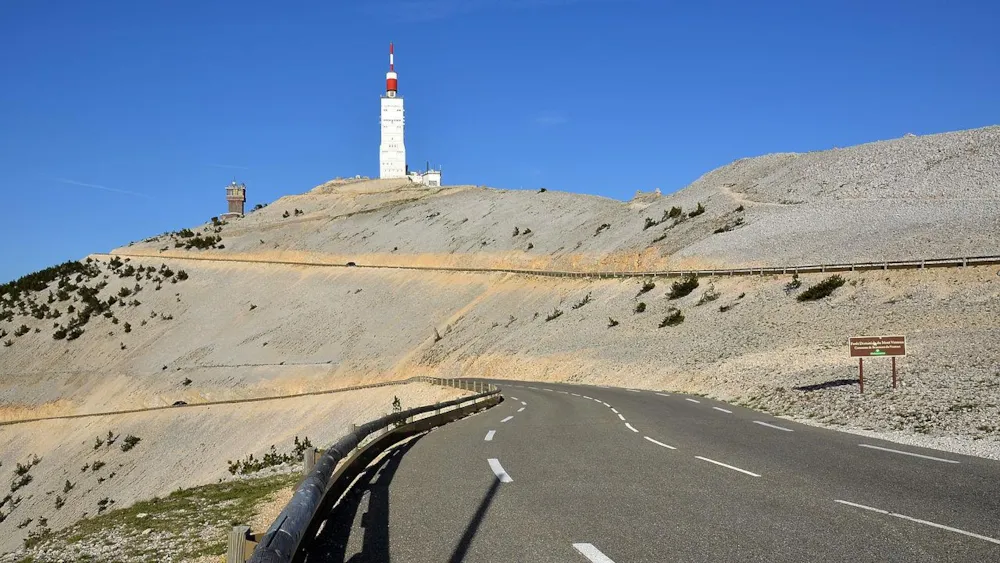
[97, 465]
[794, 284]
[20, 482]
[185, 233]
[21, 331]
[612, 323]
[74, 333]
[516, 231]
[530, 246]
[675, 212]
[542, 190]
[8, 343]
[822, 289]
[683, 287]
[68, 486]
[583, 302]
[186, 382]
[603, 227]
[724, 308]
[674, 317]
[22, 469]
[130, 442]
[181, 275]
[709, 295]
[640, 307]
[103, 504]
[698, 211]
[127, 327]
[60, 502]
[24, 523]
[555, 314]
[98, 442]
[252, 306]
[59, 334]
[739, 209]
[661, 237]
[285, 215]
[647, 286]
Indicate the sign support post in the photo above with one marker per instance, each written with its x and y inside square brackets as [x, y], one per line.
[894, 372]
[861, 374]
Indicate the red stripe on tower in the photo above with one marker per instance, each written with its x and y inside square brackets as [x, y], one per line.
[391, 82]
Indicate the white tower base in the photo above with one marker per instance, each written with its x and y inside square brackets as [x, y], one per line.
[392, 150]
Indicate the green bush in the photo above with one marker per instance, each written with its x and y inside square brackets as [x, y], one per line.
[675, 212]
[181, 275]
[647, 286]
[698, 211]
[555, 314]
[612, 323]
[640, 307]
[822, 289]
[674, 317]
[185, 233]
[709, 295]
[130, 442]
[683, 287]
[582, 302]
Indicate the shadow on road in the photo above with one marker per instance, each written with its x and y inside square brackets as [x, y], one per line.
[458, 555]
[331, 544]
[827, 385]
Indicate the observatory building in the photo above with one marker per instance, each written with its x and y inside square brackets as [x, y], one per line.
[392, 149]
[236, 196]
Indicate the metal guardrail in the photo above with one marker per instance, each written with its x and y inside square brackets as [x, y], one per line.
[748, 271]
[281, 541]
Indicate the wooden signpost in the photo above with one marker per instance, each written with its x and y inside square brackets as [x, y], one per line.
[862, 347]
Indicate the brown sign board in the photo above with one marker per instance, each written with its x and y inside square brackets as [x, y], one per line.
[877, 346]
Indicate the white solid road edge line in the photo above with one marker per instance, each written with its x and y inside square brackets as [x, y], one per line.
[614, 410]
[634, 390]
[727, 466]
[692, 400]
[490, 434]
[630, 427]
[723, 410]
[498, 470]
[508, 418]
[919, 521]
[592, 553]
[908, 453]
[772, 426]
[659, 443]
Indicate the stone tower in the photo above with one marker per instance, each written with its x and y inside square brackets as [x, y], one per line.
[236, 195]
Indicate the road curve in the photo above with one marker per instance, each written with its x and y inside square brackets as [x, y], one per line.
[562, 472]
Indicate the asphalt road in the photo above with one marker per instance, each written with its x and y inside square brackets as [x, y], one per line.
[580, 473]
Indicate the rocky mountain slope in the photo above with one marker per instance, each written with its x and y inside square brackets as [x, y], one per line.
[226, 329]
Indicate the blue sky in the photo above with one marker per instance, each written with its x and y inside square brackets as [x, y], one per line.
[123, 119]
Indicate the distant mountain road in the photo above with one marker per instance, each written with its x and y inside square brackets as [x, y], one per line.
[582, 473]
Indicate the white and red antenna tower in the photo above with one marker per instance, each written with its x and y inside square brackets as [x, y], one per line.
[391, 80]
[392, 150]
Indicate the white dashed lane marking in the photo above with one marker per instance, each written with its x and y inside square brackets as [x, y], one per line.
[490, 434]
[663, 394]
[499, 471]
[773, 426]
[723, 410]
[514, 399]
[520, 409]
[692, 400]
[508, 418]
[524, 404]
[630, 427]
[620, 416]
[634, 390]
[727, 466]
[919, 521]
[592, 553]
[908, 453]
[658, 443]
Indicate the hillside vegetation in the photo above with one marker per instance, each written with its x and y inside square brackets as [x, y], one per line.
[150, 326]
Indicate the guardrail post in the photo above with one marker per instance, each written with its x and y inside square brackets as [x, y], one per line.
[240, 546]
[308, 460]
